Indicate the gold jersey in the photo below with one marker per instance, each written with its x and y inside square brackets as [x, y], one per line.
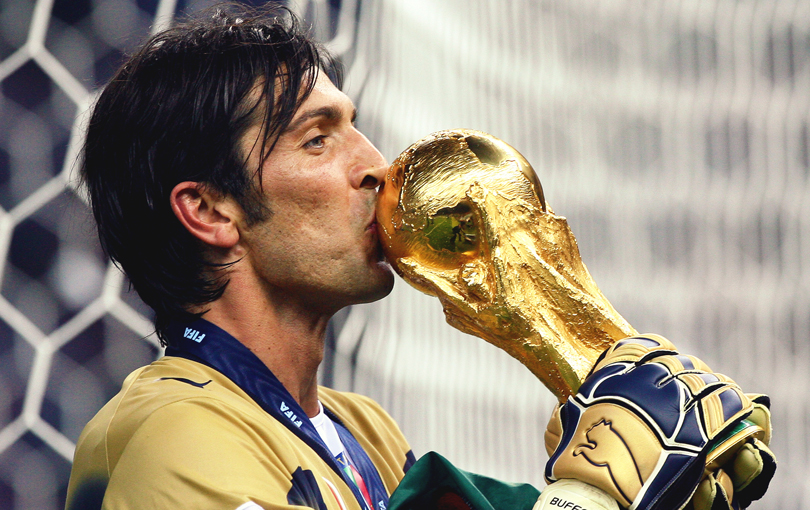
[182, 435]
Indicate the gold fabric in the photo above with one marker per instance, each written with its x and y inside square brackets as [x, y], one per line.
[165, 443]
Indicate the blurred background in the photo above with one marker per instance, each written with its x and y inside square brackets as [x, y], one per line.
[673, 135]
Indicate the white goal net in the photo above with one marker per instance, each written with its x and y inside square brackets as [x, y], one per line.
[673, 134]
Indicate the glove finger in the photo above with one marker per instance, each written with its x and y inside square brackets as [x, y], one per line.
[761, 414]
[634, 350]
[760, 398]
[754, 467]
[723, 406]
[715, 492]
[554, 431]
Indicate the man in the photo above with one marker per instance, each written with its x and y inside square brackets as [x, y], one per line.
[229, 182]
[248, 200]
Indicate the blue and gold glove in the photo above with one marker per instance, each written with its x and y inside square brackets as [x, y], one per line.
[643, 423]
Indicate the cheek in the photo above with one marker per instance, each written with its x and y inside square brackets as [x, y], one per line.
[315, 214]
[301, 198]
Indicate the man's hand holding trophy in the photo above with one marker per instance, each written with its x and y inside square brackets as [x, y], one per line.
[463, 217]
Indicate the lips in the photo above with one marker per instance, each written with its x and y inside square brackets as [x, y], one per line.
[372, 224]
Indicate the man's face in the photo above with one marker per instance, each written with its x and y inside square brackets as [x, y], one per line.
[320, 243]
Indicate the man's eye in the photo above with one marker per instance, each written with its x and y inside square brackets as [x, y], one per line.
[316, 143]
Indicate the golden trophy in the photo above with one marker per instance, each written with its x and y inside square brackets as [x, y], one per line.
[463, 217]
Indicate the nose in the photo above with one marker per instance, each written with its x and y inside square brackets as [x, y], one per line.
[371, 166]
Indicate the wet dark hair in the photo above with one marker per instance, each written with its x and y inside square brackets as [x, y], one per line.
[175, 112]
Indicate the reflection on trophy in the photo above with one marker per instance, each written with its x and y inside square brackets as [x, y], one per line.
[463, 218]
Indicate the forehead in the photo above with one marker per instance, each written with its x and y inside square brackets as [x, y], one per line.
[324, 93]
[323, 96]
[324, 85]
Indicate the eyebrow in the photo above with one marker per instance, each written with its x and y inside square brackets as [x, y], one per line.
[331, 113]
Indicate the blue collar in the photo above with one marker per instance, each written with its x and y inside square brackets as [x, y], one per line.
[206, 343]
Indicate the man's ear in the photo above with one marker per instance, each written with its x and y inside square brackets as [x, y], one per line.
[209, 216]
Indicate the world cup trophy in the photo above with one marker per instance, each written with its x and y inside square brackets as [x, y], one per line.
[463, 217]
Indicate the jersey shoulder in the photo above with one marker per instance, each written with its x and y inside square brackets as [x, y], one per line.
[177, 424]
[162, 385]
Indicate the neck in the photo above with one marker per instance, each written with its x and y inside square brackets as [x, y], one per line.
[285, 334]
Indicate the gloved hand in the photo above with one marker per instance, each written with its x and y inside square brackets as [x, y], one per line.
[739, 471]
[643, 423]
